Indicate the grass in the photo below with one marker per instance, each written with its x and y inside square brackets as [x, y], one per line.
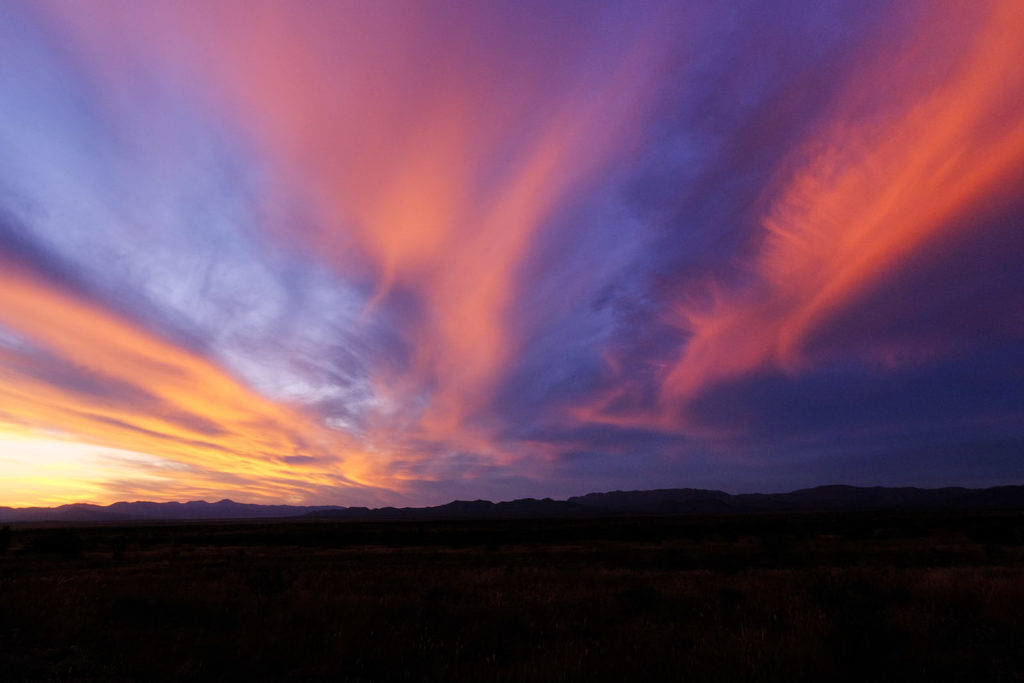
[779, 598]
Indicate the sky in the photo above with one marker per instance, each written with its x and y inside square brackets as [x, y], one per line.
[399, 253]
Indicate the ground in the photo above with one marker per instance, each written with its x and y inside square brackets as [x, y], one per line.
[855, 596]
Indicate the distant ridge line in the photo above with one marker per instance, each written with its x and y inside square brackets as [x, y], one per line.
[682, 501]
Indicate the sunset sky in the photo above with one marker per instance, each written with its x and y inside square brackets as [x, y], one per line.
[398, 253]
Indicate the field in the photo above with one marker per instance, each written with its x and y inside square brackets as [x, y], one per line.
[848, 597]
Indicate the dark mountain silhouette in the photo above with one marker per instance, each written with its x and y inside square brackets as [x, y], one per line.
[468, 509]
[612, 503]
[659, 501]
[142, 510]
[222, 509]
[821, 498]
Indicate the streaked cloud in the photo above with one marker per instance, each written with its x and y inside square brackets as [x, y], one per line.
[408, 251]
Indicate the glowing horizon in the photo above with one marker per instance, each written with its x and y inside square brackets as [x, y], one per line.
[373, 253]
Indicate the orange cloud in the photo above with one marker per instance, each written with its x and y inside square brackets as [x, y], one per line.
[926, 132]
[443, 173]
[438, 166]
[437, 161]
[120, 386]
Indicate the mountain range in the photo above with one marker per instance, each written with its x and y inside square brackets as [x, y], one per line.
[682, 501]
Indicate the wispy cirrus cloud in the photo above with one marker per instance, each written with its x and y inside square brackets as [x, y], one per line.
[405, 252]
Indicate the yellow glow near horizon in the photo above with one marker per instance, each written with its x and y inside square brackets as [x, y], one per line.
[36, 471]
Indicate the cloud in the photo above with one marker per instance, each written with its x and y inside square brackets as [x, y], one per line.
[879, 182]
[404, 251]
